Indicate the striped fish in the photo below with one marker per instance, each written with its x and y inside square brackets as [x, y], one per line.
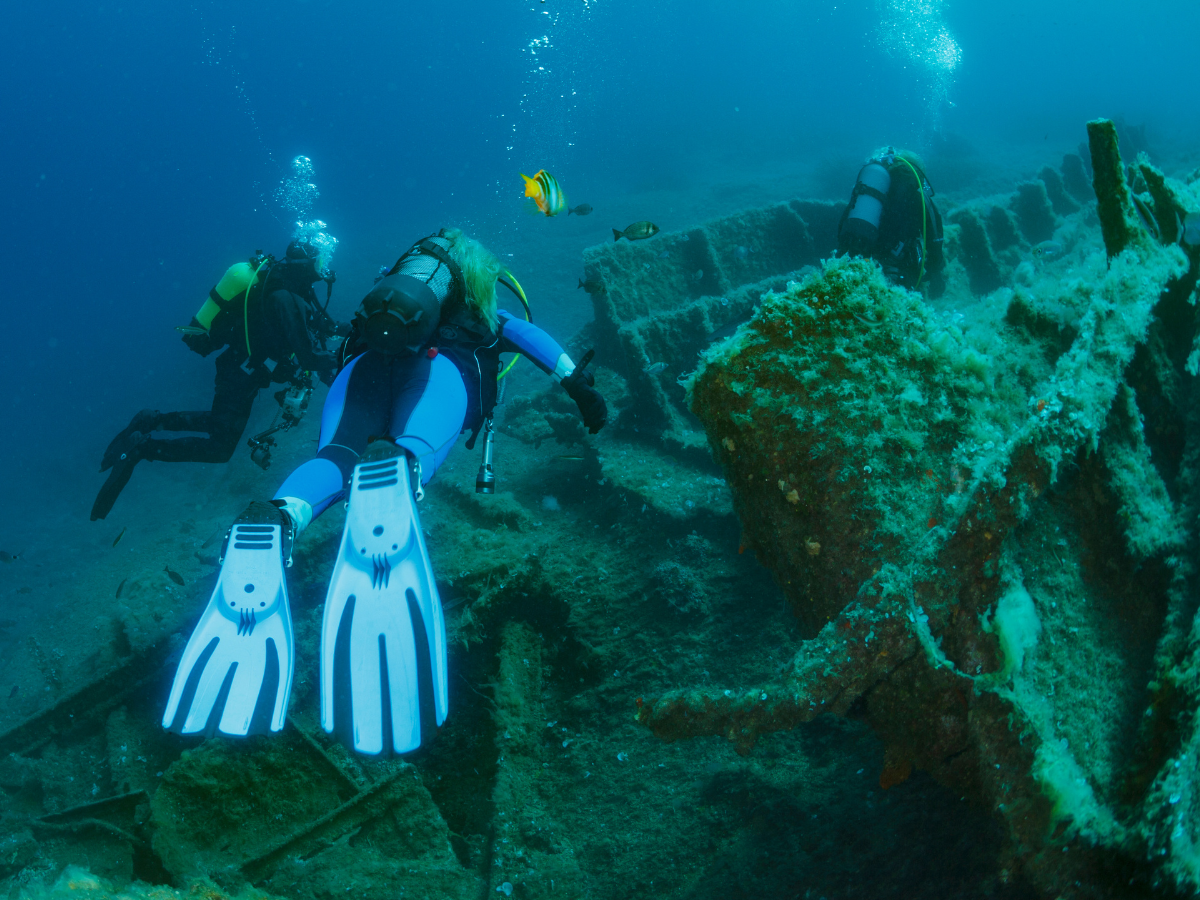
[544, 189]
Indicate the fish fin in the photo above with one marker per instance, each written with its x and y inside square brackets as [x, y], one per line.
[617, 235]
[532, 188]
[569, 210]
[580, 284]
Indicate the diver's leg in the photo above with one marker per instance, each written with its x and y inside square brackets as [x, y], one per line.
[356, 408]
[384, 684]
[429, 404]
[233, 401]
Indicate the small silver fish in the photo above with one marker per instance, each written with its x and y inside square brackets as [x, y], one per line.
[190, 329]
[655, 368]
[1048, 250]
[666, 254]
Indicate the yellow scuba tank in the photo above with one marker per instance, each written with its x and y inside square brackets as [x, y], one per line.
[238, 279]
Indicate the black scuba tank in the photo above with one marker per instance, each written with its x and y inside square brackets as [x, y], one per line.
[400, 315]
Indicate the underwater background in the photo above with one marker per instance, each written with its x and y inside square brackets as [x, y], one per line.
[148, 146]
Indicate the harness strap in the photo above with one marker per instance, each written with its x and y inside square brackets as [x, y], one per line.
[861, 188]
[427, 246]
[458, 285]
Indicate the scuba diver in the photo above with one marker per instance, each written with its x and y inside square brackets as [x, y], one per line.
[421, 367]
[892, 219]
[266, 315]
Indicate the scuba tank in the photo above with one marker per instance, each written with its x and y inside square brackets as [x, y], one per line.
[860, 225]
[237, 280]
[300, 268]
[209, 330]
[400, 314]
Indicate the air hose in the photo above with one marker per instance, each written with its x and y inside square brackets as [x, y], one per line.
[516, 288]
[246, 305]
[924, 219]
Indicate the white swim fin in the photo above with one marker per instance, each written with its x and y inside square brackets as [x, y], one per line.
[236, 671]
[384, 686]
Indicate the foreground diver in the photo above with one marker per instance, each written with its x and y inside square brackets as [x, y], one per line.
[419, 369]
[892, 219]
[268, 314]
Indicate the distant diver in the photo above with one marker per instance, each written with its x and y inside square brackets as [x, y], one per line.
[267, 316]
[421, 366]
[891, 218]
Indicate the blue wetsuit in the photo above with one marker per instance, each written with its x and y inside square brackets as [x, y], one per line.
[422, 402]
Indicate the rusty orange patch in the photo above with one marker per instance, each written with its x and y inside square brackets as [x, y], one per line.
[894, 773]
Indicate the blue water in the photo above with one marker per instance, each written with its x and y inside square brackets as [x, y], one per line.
[143, 141]
[144, 144]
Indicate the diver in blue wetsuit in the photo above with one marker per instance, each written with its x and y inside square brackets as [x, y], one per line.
[419, 369]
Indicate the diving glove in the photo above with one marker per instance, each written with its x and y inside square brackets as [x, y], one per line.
[592, 407]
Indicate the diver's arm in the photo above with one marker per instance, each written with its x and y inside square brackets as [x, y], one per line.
[517, 336]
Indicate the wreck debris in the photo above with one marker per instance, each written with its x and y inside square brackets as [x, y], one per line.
[934, 611]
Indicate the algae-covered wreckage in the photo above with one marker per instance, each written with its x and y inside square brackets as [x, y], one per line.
[974, 521]
[989, 534]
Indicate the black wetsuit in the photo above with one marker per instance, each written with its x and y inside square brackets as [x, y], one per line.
[286, 337]
[287, 332]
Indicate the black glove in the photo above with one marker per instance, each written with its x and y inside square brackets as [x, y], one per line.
[342, 329]
[592, 407]
[202, 343]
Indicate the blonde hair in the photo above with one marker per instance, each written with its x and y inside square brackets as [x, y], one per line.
[480, 269]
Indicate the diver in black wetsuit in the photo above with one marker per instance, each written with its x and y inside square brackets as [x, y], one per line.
[892, 219]
[266, 315]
